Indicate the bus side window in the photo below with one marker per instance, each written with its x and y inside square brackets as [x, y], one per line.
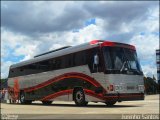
[73, 60]
[90, 58]
[70, 61]
[83, 55]
[58, 64]
[52, 64]
[11, 73]
[80, 58]
[77, 59]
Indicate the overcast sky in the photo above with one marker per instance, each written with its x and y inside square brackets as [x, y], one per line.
[30, 28]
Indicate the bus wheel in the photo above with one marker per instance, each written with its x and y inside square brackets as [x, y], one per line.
[22, 99]
[47, 102]
[110, 103]
[10, 101]
[79, 98]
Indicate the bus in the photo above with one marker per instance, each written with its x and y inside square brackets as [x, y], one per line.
[96, 71]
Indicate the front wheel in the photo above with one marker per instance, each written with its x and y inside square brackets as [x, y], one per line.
[79, 98]
[47, 102]
[110, 103]
[11, 101]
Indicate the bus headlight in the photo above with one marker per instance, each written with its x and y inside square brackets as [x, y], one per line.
[141, 87]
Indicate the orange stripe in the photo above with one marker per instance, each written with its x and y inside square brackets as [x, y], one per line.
[51, 96]
[38, 87]
[100, 96]
[88, 92]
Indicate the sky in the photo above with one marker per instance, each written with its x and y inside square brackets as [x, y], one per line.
[29, 28]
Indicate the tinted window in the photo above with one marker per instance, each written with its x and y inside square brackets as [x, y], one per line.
[66, 61]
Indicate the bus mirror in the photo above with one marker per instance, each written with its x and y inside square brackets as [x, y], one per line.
[96, 59]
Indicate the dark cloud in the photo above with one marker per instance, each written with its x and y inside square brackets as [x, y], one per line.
[117, 13]
[30, 18]
[41, 26]
[123, 37]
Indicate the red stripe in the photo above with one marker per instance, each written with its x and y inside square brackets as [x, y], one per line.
[94, 42]
[67, 92]
[123, 96]
[108, 43]
[62, 77]
[100, 96]
[87, 92]
[64, 92]
[93, 94]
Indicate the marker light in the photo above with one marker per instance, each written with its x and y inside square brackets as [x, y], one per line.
[111, 88]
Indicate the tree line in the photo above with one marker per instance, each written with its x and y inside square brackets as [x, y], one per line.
[151, 86]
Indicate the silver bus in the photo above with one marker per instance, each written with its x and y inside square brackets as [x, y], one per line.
[97, 71]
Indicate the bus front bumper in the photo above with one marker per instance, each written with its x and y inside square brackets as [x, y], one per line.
[124, 96]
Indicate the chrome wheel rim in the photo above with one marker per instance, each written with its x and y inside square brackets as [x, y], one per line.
[22, 98]
[79, 96]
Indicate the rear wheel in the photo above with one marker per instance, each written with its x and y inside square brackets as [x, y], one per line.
[79, 98]
[11, 101]
[47, 102]
[22, 99]
[110, 103]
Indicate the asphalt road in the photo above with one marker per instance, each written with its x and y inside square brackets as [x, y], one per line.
[68, 110]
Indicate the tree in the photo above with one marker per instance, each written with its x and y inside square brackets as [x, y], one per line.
[151, 87]
[154, 78]
[3, 83]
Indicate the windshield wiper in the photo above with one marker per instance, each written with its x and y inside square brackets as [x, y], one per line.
[123, 66]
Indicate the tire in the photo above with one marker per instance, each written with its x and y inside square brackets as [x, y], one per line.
[22, 99]
[10, 101]
[110, 103]
[47, 102]
[79, 98]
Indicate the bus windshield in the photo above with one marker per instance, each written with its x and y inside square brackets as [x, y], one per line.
[121, 60]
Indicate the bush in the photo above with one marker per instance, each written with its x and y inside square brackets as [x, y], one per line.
[151, 87]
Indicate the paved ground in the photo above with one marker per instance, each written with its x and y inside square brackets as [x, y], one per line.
[68, 110]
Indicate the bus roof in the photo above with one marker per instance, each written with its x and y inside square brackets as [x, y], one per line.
[68, 50]
[55, 54]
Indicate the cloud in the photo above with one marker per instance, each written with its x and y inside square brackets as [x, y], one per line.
[149, 70]
[18, 43]
[31, 28]
[117, 13]
[146, 46]
[48, 17]
[45, 16]
[5, 68]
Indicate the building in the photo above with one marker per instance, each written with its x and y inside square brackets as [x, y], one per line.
[158, 64]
